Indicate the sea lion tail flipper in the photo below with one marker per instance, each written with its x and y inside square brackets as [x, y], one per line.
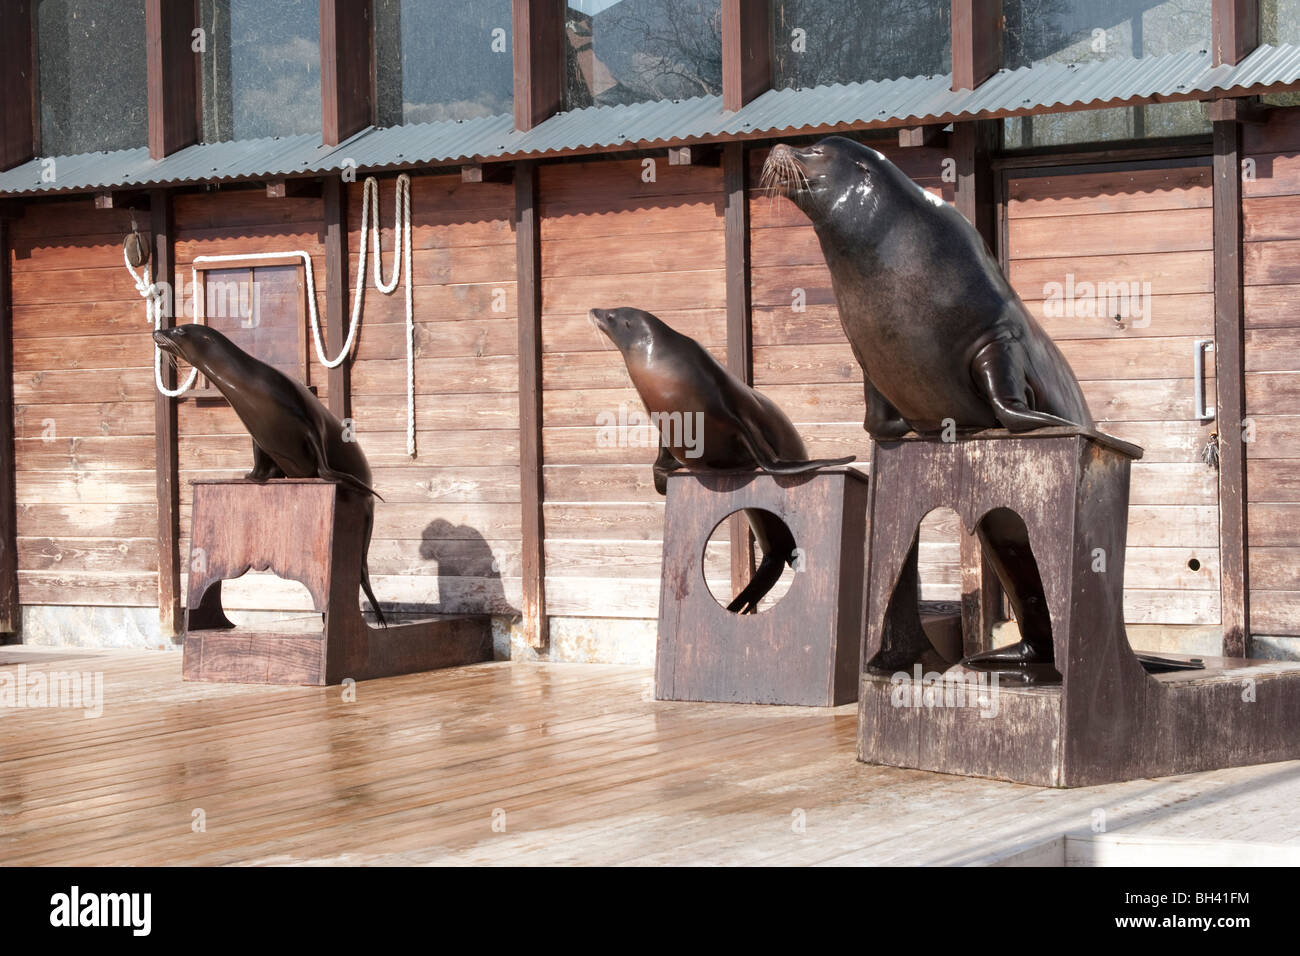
[352, 481]
[765, 577]
[365, 572]
[773, 465]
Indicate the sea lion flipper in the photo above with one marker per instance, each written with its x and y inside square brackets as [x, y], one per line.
[999, 374]
[664, 465]
[768, 461]
[323, 469]
[264, 466]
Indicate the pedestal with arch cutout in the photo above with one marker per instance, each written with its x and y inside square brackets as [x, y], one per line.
[1108, 720]
[805, 649]
[311, 531]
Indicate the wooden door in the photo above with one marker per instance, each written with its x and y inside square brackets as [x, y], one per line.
[1116, 262]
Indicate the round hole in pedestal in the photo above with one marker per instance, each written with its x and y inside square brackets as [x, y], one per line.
[1194, 564]
[716, 559]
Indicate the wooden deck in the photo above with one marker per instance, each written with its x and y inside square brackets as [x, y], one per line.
[585, 765]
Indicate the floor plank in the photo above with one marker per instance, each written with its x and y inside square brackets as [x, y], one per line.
[585, 766]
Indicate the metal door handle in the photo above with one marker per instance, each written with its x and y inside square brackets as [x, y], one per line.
[1199, 347]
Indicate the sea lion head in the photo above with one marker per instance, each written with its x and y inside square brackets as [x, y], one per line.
[633, 331]
[834, 177]
[195, 344]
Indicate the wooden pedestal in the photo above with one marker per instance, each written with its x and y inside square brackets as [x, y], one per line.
[804, 650]
[1108, 720]
[310, 531]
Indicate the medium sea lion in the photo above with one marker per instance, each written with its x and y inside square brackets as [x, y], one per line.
[681, 383]
[294, 435]
[940, 334]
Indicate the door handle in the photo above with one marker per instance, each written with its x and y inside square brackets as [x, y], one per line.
[1199, 348]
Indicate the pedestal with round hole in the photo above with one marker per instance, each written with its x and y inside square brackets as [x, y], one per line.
[805, 649]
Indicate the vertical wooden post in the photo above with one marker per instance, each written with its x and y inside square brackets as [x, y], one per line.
[170, 620]
[1229, 363]
[539, 59]
[17, 84]
[335, 201]
[528, 279]
[10, 611]
[172, 83]
[746, 51]
[346, 65]
[973, 144]
[976, 41]
[1234, 28]
[740, 334]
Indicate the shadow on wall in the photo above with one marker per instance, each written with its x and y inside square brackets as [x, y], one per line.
[468, 571]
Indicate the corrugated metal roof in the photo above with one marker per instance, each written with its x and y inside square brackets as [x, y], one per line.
[915, 100]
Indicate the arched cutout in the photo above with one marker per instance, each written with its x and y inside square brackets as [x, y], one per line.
[775, 550]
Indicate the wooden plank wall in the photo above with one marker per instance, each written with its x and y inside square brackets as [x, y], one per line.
[1126, 225]
[802, 360]
[212, 443]
[1271, 212]
[84, 415]
[447, 534]
[609, 239]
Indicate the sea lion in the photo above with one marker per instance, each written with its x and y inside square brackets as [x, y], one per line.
[681, 383]
[942, 338]
[294, 435]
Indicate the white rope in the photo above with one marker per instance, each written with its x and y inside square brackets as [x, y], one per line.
[401, 259]
[153, 311]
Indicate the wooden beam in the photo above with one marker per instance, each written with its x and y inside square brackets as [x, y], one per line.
[976, 41]
[1234, 29]
[17, 84]
[337, 315]
[171, 621]
[298, 188]
[1230, 409]
[173, 75]
[10, 611]
[528, 282]
[915, 136]
[486, 173]
[746, 51]
[346, 65]
[740, 330]
[972, 146]
[123, 199]
[539, 55]
[1238, 111]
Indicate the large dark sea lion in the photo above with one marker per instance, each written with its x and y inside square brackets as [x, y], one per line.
[738, 428]
[294, 435]
[942, 338]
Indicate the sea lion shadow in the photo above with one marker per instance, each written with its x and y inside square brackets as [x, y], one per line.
[469, 573]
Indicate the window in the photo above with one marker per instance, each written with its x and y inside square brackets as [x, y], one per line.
[1078, 31]
[442, 60]
[93, 90]
[261, 68]
[819, 42]
[1279, 22]
[261, 306]
[631, 51]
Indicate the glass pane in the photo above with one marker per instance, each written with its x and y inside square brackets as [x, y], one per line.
[1279, 22]
[93, 75]
[818, 42]
[630, 51]
[442, 60]
[1094, 126]
[261, 69]
[1075, 31]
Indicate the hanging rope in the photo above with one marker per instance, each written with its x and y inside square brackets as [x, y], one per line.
[369, 229]
[153, 310]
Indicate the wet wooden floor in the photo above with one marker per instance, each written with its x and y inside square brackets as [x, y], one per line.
[540, 764]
